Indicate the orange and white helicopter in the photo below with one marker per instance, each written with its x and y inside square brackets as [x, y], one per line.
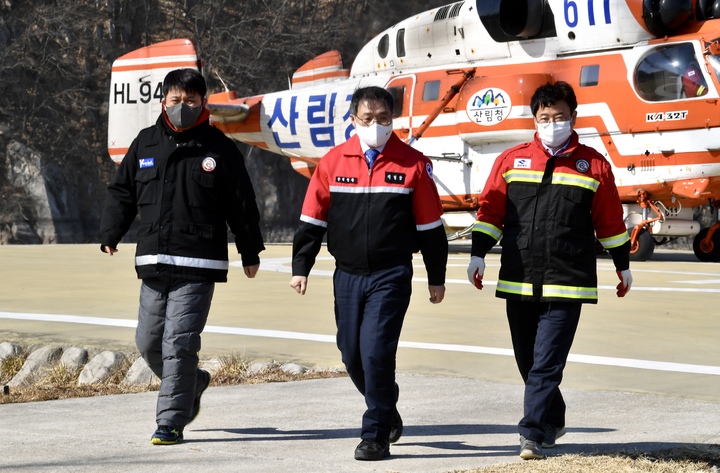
[646, 74]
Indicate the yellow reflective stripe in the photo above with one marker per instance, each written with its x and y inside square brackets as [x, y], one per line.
[614, 241]
[522, 175]
[488, 229]
[549, 290]
[570, 292]
[520, 288]
[565, 179]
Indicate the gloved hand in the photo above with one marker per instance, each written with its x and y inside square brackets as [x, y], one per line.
[625, 282]
[475, 271]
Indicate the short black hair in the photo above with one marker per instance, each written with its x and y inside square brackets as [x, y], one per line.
[371, 94]
[187, 80]
[546, 95]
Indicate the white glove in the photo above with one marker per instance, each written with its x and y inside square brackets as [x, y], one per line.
[475, 271]
[626, 280]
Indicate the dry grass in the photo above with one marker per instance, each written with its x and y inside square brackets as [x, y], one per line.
[693, 459]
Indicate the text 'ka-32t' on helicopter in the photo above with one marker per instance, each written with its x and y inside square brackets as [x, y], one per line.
[646, 75]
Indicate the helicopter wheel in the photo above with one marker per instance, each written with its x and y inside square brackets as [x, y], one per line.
[643, 249]
[707, 252]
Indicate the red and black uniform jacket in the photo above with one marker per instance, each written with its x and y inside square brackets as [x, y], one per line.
[188, 187]
[375, 218]
[549, 211]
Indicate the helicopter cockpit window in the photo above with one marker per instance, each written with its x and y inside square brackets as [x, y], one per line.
[670, 73]
[431, 90]
[384, 46]
[398, 94]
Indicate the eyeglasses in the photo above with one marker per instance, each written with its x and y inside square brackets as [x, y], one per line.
[379, 121]
[556, 119]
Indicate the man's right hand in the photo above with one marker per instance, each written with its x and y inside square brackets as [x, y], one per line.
[110, 251]
[299, 283]
[475, 271]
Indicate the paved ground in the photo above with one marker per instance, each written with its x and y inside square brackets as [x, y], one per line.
[312, 426]
[644, 371]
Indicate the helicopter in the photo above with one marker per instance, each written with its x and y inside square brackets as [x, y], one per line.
[646, 74]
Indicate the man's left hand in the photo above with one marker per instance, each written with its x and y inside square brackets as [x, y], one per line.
[625, 282]
[251, 271]
[437, 293]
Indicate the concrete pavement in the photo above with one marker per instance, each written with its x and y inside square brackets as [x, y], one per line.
[643, 373]
[313, 426]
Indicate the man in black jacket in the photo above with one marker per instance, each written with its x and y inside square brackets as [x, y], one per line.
[188, 183]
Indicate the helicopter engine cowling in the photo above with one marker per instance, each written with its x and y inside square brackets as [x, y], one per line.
[511, 20]
[662, 17]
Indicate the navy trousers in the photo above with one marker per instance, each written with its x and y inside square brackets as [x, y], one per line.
[170, 320]
[542, 334]
[369, 313]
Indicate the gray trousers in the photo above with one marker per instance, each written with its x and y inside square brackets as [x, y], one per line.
[170, 320]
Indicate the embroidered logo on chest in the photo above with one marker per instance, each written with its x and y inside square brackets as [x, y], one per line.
[522, 163]
[395, 178]
[346, 180]
[581, 165]
[146, 162]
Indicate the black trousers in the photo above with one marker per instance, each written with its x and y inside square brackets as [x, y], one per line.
[542, 334]
[369, 313]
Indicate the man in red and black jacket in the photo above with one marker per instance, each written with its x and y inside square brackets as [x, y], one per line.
[376, 199]
[549, 200]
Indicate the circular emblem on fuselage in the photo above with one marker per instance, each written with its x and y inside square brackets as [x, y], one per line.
[489, 106]
[208, 164]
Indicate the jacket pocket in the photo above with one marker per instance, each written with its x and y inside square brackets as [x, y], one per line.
[203, 189]
[146, 186]
[514, 243]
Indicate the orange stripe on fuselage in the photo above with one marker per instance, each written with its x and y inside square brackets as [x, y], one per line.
[157, 65]
[325, 75]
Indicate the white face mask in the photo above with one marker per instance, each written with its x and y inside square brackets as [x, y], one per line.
[375, 135]
[554, 134]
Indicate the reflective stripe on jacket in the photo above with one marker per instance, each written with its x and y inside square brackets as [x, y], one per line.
[187, 189]
[549, 211]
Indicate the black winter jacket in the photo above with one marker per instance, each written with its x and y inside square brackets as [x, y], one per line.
[187, 187]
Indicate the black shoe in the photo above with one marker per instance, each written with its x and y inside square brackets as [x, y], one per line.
[372, 450]
[202, 385]
[166, 435]
[396, 429]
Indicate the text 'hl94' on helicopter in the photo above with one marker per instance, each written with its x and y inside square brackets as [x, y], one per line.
[646, 75]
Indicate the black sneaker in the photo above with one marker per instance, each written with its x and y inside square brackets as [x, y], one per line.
[202, 385]
[396, 429]
[166, 435]
[552, 433]
[372, 450]
[530, 450]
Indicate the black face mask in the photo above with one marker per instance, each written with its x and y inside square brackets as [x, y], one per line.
[183, 115]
